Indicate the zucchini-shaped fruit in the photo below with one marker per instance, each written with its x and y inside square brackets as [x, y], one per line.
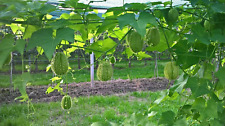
[173, 15]
[153, 37]
[171, 71]
[59, 63]
[104, 71]
[66, 102]
[135, 41]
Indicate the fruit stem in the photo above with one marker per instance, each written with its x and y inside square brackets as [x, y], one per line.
[167, 42]
[66, 85]
[22, 64]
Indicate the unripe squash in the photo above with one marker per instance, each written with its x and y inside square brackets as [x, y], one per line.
[59, 63]
[171, 71]
[153, 37]
[112, 60]
[173, 15]
[104, 71]
[66, 102]
[207, 25]
[135, 41]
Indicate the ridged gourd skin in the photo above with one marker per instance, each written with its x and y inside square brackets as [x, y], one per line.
[112, 60]
[171, 71]
[8, 60]
[173, 15]
[66, 102]
[135, 41]
[59, 63]
[153, 37]
[104, 71]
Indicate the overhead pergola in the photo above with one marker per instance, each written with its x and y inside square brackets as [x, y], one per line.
[102, 6]
[116, 3]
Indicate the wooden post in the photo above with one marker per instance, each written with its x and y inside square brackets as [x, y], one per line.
[156, 66]
[36, 65]
[129, 63]
[92, 65]
[78, 59]
[11, 71]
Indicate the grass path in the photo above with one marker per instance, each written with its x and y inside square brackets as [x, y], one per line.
[114, 108]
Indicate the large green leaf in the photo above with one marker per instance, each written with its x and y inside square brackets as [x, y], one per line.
[102, 46]
[142, 21]
[146, 18]
[198, 86]
[128, 52]
[199, 104]
[220, 75]
[140, 55]
[218, 7]
[64, 34]
[217, 36]
[179, 83]
[136, 7]
[211, 109]
[60, 23]
[118, 33]
[21, 82]
[128, 18]
[181, 122]
[29, 31]
[6, 46]
[200, 34]
[44, 39]
[107, 25]
[140, 24]
[20, 45]
[167, 118]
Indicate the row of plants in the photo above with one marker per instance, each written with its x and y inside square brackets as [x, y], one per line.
[193, 33]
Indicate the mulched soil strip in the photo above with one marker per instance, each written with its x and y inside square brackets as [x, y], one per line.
[38, 93]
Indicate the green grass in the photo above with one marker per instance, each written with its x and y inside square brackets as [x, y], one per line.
[121, 71]
[86, 111]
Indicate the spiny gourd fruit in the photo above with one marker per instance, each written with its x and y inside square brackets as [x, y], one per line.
[66, 102]
[112, 60]
[153, 36]
[171, 71]
[104, 71]
[8, 60]
[135, 41]
[173, 15]
[59, 63]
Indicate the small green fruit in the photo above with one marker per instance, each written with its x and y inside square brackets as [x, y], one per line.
[173, 15]
[59, 63]
[171, 71]
[135, 41]
[66, 102]
[112, 60]
[207, 25]
[8, 60]
[104, 71]
[153, 37]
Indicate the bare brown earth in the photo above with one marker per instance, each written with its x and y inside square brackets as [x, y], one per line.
[38, 93]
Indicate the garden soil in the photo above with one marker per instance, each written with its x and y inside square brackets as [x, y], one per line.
[38, 93]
